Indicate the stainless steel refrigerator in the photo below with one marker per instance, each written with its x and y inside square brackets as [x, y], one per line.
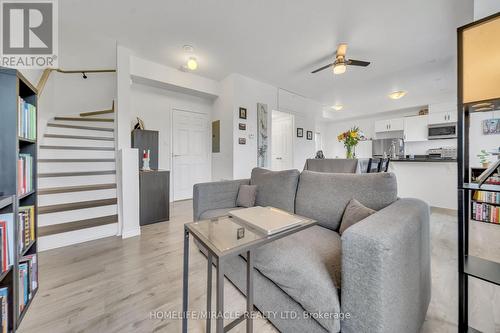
[388, 148]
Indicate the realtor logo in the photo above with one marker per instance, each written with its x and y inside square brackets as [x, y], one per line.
[29, 34]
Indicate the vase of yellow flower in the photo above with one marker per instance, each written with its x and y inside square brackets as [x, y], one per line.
[350, 139]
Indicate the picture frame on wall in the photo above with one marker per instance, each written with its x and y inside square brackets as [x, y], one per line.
[300, 132]
[309, 135]
[491, 126]
[243, 113]
[242, 127]
[242, 141]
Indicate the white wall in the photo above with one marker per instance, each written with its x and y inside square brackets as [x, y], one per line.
[154, 106]
[483, 8]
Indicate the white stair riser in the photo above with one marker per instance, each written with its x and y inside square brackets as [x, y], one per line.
[75, 237]
[48, 167]
[62, 198]
[77, 131]
[76, 215]
[75, 181]
[105, 124]
[67, 153]
[77, 142]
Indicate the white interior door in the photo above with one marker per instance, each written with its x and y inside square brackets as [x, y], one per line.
[190, 153]
[282, 141]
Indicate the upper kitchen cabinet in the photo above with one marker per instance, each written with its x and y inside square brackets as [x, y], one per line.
[415, 128]
[443, 117]
[389, 125]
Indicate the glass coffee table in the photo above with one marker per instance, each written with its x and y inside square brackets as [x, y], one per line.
[224, 237]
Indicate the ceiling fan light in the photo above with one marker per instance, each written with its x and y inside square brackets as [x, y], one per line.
[337, 107]
[339, 68]
[192, 64]
[397, 94]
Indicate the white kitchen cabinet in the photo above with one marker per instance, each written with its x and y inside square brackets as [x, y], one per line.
[415, 128]
[443, 117]
[388, 125]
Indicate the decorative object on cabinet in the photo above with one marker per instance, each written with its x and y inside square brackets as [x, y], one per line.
[309, 135]
[139, 124]
[242, 127]
[216, 136]
[243, 113]
[242, 141]
[423, 112]
[350, 139]
[145, 140]
[262, 135]
[154, 199]
[478, 73]
[491, 126]
[300, 132]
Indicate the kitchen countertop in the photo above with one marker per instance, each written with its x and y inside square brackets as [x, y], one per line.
[425, 159]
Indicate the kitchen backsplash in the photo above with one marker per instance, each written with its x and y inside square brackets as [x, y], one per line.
[420, 148]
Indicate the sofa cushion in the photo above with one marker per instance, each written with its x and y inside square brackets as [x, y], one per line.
[212, 213]
[275, 188]
[246, 196]
[306, 266]
[324, 196]
[353, 213]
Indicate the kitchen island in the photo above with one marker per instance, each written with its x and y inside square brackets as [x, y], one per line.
[429, 179]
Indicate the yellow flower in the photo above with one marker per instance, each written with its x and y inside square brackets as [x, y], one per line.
[353, 134]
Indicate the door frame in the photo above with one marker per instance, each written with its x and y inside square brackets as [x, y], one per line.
[209, 143]
[292, 150]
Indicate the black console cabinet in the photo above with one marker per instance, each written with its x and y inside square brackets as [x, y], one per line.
[154, 187]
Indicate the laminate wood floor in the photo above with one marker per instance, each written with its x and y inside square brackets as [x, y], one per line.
[115, 285]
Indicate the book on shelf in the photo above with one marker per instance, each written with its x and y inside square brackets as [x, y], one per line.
[26, 226]
[28, 279]
[485, 212]
[26, 120]
[6, 241]
[4, 312]
[487, 197]
[25, 182]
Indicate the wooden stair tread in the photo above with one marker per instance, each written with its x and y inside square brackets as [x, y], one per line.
[76, 148]
[81, 137]
[105, 129]
[81, 188]
[74, 160]
[106, 120]
[76, 205]
[96, 113]
[77, 173]
[76, 225]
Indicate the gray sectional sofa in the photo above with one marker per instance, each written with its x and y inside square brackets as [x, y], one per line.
[377, 273]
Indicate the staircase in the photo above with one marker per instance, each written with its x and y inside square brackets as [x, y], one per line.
[77, 180]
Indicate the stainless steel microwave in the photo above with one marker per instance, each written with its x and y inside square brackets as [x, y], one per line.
[442, 131]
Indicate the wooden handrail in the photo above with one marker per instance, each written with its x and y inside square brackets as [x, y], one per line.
[46, 74]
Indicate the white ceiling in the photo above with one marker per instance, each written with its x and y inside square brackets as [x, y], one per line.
[411, 44]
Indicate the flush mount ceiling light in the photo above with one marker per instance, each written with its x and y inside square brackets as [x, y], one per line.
[337, 107]
[192, 64]
[188, 48]
[397, 94]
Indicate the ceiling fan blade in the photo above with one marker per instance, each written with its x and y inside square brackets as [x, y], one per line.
[352, 62]
[341, 50]
[322, 68]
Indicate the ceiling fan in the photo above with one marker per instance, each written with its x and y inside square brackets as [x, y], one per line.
[340, 64]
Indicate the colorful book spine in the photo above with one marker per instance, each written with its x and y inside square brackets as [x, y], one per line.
[28, 279]
[26, 227]
[25, 174]
[485, 212]
[4, 303]
[26, 120]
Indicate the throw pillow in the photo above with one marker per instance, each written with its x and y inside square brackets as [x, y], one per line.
[353, 213]
[246, 196]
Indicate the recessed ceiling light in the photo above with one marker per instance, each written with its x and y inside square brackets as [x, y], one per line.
[397, 94]
[188, 48]
[192, 64]
[337, 107]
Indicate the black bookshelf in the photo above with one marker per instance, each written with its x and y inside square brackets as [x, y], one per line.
[14, 86]
[468, 265]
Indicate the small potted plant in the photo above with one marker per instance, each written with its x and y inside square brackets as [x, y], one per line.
[350, 140]
[483, 158]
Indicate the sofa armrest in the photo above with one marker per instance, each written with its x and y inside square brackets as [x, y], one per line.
[215, 195]
[386, 279]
